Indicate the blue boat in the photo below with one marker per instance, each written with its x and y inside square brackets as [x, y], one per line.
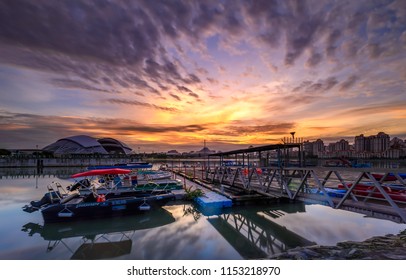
[330, 192]
[130, 165]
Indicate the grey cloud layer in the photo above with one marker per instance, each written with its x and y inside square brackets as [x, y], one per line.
[127, 44]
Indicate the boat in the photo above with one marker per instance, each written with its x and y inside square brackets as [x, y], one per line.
[84, 200]
[396, 191]
[124, 180]
[130, 165]
[117, 179]
[333, 192]
[98, 172]
[134, 178]
[163, 167]
[153, 175]
[389, 177]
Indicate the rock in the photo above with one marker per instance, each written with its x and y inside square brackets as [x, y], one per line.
[355, 253]
[311, 253]
[394, 256]
[391, 247]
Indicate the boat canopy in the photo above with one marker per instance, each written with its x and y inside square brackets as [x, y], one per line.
[98, 172]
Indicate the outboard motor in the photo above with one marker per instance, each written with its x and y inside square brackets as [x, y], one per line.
[48, 198]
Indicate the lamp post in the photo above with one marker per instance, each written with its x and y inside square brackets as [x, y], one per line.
[293, 135]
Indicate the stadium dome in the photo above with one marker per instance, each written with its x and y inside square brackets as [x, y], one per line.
[112, 145]
[84, 144]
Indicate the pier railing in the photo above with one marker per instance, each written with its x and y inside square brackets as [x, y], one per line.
[370, 190]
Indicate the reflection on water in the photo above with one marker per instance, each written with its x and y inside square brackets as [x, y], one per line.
[109, 238]
[252, 234]
[178, 231]
[242, 230]
[50, 172]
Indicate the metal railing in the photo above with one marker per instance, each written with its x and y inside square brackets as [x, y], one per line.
[379, 190]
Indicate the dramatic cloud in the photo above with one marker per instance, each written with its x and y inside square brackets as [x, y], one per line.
[316, 87]
[188, 91]
[229, 60]
[43, 129]
[138, 103]
[238, 128]
[175, 96]
[350, 82]
[65, 83]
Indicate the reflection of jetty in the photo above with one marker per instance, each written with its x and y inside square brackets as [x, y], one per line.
[254, 234]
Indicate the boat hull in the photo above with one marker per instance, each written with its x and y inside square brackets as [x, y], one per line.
[115, 206]
[368, 189]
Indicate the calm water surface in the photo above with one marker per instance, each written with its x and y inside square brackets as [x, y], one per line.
[178, 231]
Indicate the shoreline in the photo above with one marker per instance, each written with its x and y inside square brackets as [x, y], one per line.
[388, 247]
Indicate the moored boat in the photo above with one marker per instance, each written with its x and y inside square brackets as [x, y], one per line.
[77, 207]
[333, 192]
[389, 177]
[130, 166]
[83, 200]
[396, 191]
[98, 172]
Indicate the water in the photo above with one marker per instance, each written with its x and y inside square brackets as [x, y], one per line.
[178, 231]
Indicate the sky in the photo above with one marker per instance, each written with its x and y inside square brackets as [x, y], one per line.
[162, 75]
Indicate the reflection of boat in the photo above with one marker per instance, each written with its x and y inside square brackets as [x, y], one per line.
[104, 250]
[89, 202]
[396, 191]
[107, 238]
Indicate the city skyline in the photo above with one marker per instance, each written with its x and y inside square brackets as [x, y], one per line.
[168, 75]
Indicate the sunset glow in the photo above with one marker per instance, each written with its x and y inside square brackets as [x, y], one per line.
[164, 75]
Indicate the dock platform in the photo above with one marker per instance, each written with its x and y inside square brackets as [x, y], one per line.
[213, 199]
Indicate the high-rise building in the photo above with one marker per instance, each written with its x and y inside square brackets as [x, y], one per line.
[318, 147]
[359, 143]
[314, 148]
[375, 143]
[380, 143]
[342, 145]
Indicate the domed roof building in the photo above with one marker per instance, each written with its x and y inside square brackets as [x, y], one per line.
[84, 144]
[113, 146]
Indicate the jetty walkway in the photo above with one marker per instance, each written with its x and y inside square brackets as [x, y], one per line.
[379, 193]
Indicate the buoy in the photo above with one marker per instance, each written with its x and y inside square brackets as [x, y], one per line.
[145, 207]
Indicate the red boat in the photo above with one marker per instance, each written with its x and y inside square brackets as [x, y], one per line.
[396, 192]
